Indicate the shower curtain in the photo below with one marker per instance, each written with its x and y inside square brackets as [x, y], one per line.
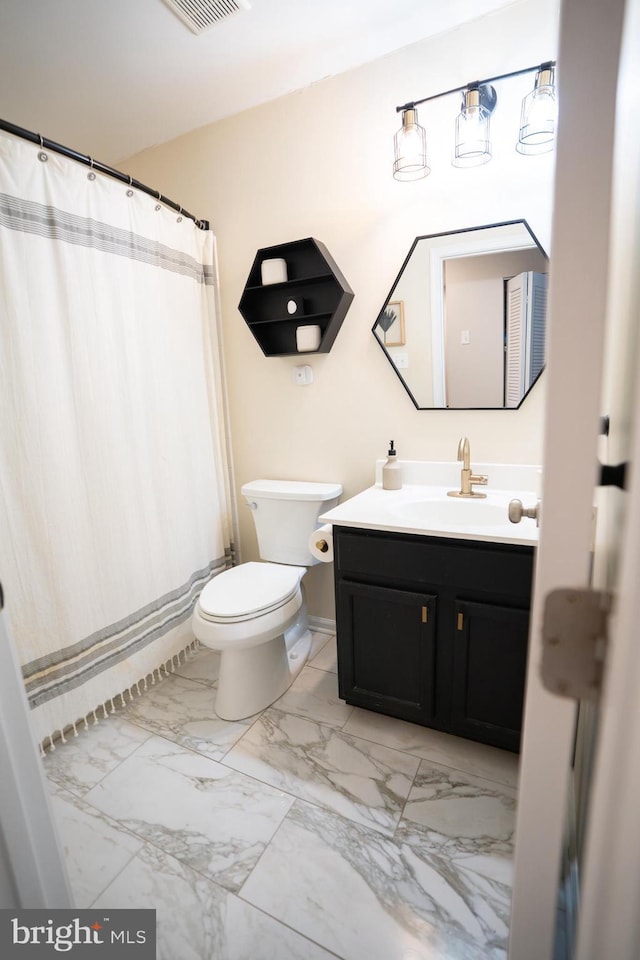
[114, 476]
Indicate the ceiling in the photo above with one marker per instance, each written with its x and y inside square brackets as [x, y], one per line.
[112, 77]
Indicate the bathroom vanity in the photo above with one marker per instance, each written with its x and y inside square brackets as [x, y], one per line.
[432, 605]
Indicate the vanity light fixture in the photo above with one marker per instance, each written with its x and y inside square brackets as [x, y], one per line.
[539, 114]
[410, 147]
[473, 143]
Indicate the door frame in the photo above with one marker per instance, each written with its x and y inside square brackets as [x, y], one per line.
[32, 869]
[590, 35]
[609, 921]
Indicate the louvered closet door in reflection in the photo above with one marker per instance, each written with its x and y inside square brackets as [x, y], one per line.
[536, 316]
[526, 311]
[516, 339]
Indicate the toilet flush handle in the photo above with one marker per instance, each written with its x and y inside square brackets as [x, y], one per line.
[252, 505]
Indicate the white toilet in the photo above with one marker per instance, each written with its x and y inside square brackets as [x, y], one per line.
[255, 614]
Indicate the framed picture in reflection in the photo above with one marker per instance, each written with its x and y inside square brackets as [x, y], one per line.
[391, 320]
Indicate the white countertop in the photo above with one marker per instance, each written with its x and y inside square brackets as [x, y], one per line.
[424, 508]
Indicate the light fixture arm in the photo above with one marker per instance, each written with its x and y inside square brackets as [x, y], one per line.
[480, 83]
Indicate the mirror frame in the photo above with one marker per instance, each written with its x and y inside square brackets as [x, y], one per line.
[437, 304]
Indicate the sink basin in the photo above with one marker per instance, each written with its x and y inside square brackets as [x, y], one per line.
[421, 507]
[448, 513]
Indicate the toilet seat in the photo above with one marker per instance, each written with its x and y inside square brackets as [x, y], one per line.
[249, 591]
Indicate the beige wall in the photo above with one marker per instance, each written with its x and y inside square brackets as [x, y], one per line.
[318, 163]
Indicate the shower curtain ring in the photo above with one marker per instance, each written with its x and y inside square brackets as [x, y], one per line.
[180, 217]
[130, 191]
[159, 197]
[91, 175]
[41, 154]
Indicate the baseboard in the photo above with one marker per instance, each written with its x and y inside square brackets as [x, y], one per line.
[322, 625]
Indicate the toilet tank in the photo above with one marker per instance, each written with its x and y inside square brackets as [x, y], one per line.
[286, 513]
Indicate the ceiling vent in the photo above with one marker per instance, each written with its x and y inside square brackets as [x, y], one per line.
[200, 15]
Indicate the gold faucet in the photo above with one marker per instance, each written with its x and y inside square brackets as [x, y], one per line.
[467, 478]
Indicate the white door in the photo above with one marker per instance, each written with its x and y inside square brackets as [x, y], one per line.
[589, 41]
[609, 917]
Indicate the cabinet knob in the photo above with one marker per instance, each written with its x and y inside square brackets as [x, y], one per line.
[322, 546]
[517, 511]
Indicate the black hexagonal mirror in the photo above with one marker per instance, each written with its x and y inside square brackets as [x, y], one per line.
[295, 298]
[464, 326]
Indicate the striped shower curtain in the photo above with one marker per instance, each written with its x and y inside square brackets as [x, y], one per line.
[114, 484]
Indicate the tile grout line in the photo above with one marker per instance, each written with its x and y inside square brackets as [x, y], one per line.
[287, 926]
[114, 878]
[316, 803]
[416, 756]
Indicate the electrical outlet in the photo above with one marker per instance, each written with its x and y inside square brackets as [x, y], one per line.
[303, 374]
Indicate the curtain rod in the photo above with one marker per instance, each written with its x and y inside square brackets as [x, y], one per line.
[100, 167]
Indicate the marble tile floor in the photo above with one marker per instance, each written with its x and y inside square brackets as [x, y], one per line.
[314, 830]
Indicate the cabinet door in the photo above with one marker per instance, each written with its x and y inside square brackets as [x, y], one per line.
[490, 657]
[386, 649]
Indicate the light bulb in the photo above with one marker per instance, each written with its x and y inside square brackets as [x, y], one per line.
[410, 148]
[539, 115]
[473, 144]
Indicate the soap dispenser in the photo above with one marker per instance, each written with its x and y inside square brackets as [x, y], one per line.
[392, 471]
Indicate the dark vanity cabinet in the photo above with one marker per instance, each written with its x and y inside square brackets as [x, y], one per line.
[434, 630]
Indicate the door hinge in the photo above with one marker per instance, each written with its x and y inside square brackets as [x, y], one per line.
[613, 475]
[574, 642]
[425, 614]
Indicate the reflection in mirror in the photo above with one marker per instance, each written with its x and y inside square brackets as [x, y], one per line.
[464, 325]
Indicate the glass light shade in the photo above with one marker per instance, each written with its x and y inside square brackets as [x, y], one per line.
[473, 143]
[410, 149]
[539, 115]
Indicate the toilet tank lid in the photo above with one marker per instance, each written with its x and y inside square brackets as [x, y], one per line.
[291, 490]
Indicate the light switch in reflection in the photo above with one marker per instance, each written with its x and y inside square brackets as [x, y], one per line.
[465, 336]
[401, 360]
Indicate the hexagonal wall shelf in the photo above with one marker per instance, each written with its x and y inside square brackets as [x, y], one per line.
[314, 295]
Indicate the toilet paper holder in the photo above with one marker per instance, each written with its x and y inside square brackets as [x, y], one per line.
[321, 544]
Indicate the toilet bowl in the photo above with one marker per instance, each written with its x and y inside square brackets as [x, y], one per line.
[255, 614]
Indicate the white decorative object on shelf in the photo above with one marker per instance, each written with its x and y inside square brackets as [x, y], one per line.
[308, 337]
[273, 271]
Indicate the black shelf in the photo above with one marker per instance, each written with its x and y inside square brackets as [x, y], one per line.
[284, 284]
[308, 318]
[314, 277]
